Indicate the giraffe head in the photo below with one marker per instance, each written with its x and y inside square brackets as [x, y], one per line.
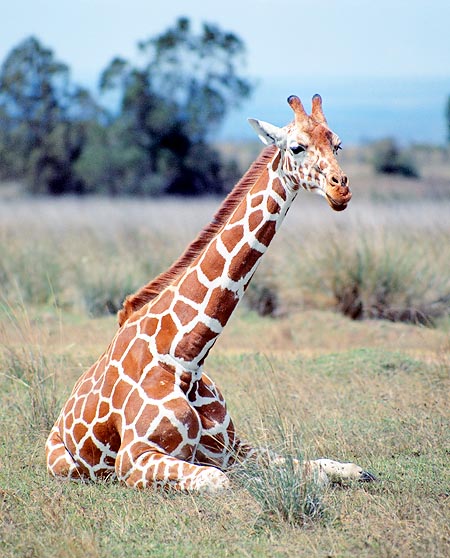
[308, 152]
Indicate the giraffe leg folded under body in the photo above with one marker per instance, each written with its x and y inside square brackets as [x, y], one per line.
[155, 469]
[60, 462]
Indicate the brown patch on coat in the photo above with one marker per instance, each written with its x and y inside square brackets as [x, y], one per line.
[90, 409]
[221, 304]
[212, 263]
[257, 200]
[272, 206]
[266, 233]
[277, 187]
[231, 237]
[166, 436]
[243, 262]
[78, 431]
[163, 303]
[165, 335]
[194, 341]
[124, 338]
[119, 395]
[192, 288]
[148, 415]
[255, 219]
[137, 359]
[185, 312]
[158, 383]
[185, 415]
[110, 380]
[240, 213]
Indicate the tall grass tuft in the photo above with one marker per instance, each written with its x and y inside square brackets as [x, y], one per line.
[29, 265]
[29, 371]
[275, 477]
[383, 277]
[26, 374]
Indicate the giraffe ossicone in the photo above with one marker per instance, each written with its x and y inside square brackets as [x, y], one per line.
[146, 412]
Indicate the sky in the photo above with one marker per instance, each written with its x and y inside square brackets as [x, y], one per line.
[372, 61]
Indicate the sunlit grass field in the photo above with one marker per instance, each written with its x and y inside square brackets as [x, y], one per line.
[370, 391]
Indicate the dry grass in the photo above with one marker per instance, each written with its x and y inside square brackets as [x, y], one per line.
[86, 255]
[372, 391]
[380, 407]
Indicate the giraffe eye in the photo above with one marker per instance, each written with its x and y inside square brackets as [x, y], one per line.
[337, 147]
[297, 148]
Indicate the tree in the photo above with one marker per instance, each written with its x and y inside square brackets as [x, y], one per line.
[168, 107]
[447, 119]
[197, 73]
[153, 141]
[43, 125]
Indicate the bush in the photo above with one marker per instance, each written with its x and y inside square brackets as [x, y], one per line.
[384, 279]
[262, 297]
[388, 158]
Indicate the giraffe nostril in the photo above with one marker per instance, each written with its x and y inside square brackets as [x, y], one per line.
[335, 180]
[344, 180]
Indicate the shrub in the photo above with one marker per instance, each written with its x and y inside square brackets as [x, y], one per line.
[383, 278]
[262, 297]
[388, 158]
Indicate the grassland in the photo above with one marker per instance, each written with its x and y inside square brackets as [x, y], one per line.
[370, 391]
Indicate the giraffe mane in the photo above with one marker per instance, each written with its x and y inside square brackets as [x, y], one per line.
[134, 302]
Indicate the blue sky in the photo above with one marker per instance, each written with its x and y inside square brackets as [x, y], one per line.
[351, 48]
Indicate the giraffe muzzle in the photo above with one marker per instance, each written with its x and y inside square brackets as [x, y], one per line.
[338, 193]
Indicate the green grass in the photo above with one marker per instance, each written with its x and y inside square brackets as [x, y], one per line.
[384, 409]
[310, 383]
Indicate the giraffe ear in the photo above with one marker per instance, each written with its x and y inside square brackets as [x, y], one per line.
[268, 133]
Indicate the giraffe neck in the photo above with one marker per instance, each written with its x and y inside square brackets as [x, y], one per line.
[194, 310]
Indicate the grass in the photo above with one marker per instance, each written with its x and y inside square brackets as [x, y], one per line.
[384, 408]
[310, 383]
[381, 261]
[393, 277]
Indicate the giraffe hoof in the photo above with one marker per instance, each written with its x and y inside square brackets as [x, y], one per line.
[212, 480]
[365, 476]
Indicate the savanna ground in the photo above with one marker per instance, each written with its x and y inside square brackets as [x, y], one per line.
[369, 391]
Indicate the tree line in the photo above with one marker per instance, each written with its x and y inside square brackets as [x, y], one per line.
[145, 133]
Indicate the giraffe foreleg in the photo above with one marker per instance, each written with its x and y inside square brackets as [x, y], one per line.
[152, 468]
[321, 471]
[338, 472]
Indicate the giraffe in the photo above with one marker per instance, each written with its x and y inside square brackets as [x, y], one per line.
[146, 413]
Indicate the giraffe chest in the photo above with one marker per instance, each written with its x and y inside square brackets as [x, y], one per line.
[192, 425]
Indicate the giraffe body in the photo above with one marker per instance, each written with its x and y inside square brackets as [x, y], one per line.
[146, 412]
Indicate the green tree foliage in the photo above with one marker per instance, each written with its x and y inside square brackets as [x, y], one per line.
[447, 119]
[43, 120]
[168, 108]
[153, 138]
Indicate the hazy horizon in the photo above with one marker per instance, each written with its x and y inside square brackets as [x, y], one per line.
[382, 68]
[409, 110]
